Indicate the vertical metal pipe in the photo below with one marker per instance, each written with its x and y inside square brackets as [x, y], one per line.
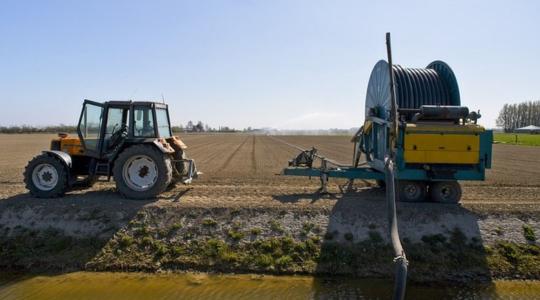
[400, 259]
[394, 115]
[85, 123]
[399, 254]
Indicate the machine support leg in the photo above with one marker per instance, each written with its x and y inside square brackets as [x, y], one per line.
[324, 177]
[324, 184]
[350, 185]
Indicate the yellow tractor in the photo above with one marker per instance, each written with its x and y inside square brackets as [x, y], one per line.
[128, 140]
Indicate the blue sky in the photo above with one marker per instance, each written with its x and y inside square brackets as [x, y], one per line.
[283, 64]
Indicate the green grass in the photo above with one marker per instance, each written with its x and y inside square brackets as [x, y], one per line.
[256, 231]
[125, 240]
[522, 138]
[528, 233]
[209, 222]
[276, 227]
[235, 235]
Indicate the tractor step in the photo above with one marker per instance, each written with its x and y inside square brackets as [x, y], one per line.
[103, 180]
[103, 169]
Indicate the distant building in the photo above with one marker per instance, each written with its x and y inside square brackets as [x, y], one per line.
[528, 129]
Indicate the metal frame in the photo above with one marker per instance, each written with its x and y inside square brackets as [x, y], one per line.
[403, 171]
[92, 153]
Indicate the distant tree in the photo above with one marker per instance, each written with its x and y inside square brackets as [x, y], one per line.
[178, 128]
[518, 115]
[199, 127]
[189, 126]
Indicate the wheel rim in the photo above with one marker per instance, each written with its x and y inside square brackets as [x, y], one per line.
[140, 173]
[446, 192]
[412, 191]
[45, 177]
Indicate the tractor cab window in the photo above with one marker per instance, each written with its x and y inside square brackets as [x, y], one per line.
[114, 121]
[90, 125]
[162, 119]
[143, 125]
[116, 127]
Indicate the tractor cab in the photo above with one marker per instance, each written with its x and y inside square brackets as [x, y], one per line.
[104, 127]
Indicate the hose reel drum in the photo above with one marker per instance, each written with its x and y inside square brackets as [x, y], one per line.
[428, 95]
[436, 85]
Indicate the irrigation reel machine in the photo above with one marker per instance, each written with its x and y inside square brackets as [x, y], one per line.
[433, 140]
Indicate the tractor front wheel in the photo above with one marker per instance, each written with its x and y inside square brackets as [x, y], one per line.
[142, 172]
[46, 176]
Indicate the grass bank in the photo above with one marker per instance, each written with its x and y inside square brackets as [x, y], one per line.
[270, 242]
[435, 258]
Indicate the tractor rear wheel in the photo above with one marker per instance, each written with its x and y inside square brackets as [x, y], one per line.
[142, 172]
[412, 190]
[46, 176]
[445, 192]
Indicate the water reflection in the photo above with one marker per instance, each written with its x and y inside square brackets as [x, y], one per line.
[84, 285]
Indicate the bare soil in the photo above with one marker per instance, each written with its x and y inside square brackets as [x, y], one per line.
[243, 170]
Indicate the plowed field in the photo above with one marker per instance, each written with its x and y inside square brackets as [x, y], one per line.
[241, 169]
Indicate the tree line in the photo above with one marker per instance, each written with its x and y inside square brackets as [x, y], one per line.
[33, 129]
[189, 127]
[519, 115]
[201, 127]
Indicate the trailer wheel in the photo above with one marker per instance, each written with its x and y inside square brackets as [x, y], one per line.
[46, 176]
[412, 191]
[142, 172]
[445, 192]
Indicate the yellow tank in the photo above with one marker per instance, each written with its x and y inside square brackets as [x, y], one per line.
[442, 144]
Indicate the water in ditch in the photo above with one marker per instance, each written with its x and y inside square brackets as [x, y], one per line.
[132, 286]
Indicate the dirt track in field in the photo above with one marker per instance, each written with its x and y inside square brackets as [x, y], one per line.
[241, 170]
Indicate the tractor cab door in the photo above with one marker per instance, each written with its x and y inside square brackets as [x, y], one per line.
[89, 128]
[163, 122]
[116, 127]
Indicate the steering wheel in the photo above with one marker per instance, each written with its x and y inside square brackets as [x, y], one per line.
[117, 136]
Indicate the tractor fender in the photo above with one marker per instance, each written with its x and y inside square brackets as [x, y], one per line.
[163, 146]
[177, 143]
[63, 156]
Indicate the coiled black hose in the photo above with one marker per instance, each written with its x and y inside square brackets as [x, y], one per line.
[417, 87]
[434, 85]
